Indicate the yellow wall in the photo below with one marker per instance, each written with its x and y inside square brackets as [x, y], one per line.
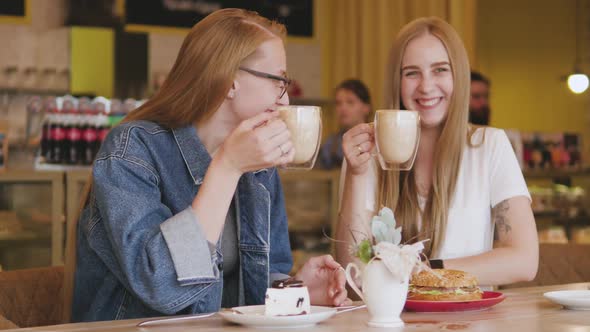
[356, 36]
[92, 61]
[525, 47]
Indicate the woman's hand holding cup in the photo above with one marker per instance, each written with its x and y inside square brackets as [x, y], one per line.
[262, 141]
[357, 145]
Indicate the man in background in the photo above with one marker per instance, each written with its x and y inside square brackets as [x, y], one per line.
[479, 103]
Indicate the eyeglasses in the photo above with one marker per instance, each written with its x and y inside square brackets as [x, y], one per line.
[286, 81]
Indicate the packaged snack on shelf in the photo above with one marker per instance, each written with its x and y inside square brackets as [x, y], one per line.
[553, 234]
[562, 151]
[542, 199]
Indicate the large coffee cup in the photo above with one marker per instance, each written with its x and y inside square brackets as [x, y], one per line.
[397, 135]
[305, 125]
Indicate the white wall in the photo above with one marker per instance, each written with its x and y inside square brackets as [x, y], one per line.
[33, 56]
[35, 49]
[303, 60]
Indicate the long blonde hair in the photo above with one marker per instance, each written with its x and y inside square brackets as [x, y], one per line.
[195, 88]
[398, 190]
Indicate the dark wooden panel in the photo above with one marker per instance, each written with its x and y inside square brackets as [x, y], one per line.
[297, 15]
[13, 8]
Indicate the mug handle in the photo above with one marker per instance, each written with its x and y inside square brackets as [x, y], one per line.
[350, 279]
[374, 153]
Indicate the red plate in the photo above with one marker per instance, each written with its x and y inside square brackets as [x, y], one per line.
[488, 299]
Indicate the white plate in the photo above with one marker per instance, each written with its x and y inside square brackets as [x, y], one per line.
[572, 299]
[253, 316]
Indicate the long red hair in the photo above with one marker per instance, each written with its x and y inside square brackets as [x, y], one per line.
[195, 88]
[207, 63]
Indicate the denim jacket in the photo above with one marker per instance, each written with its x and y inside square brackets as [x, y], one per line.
[140, 249]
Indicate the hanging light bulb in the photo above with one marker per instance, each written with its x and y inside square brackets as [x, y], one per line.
[578, 82]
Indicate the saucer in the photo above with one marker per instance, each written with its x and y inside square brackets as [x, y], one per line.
[570, 299]
[253, 316]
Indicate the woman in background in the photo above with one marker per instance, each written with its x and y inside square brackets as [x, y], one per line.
[353, 105]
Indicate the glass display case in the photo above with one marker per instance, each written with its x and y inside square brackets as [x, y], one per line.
[560, 202]
[31, 219]
[311, 200]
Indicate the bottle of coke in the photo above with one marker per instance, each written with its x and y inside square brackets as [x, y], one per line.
[50, 108]
[83, 116]
[57, 133]
[45, 139]
[129, 105]
[104, 126]
[117, 112]
[74, 134]
[67, 123]
[102, 107]
[90, 136]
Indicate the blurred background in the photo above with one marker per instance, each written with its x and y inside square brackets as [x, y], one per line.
[111, 55]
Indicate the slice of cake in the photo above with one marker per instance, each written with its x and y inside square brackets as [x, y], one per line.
[287, 297]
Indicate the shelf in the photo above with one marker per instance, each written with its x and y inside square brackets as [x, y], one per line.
[558, 218]
[573, 221]
[62, 167]
[30, 91]
[29, 176]
[555, 173]
[24, 237]
[546, 214]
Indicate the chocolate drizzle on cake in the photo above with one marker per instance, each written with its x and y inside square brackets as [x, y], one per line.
[287, 283]
[300, 302]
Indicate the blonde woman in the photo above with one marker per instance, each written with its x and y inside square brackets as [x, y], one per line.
[186, 211]
[465, 183]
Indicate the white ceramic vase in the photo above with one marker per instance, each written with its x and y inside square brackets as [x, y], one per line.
[383, 294]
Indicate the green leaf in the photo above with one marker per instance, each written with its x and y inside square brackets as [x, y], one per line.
[365, 251]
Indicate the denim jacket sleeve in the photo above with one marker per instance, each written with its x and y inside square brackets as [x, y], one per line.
[281, 260]
[162, 258]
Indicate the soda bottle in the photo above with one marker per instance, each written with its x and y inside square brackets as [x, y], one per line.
[67, 123]
[90, 136]
[75, 135]
[57, 133]
[84, 118]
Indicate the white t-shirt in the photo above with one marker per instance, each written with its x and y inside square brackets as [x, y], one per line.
[489, 174]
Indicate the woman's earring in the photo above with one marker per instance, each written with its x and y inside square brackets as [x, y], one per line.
[230, 95]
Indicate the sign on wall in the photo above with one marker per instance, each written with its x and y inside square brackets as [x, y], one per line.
[15, 11]
[149, 15]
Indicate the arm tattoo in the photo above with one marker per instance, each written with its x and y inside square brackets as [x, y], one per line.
[500, 219]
